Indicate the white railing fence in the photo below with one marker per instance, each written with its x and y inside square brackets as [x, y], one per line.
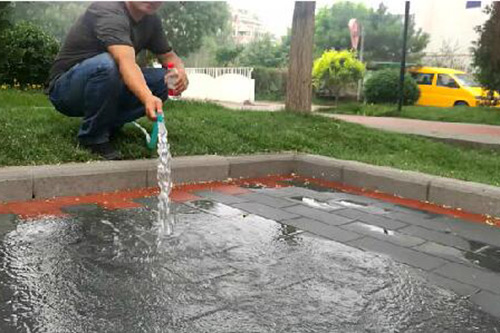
[219, 71]
[221, 84]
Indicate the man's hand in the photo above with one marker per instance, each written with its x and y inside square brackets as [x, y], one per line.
[182, 82]
[153, 104]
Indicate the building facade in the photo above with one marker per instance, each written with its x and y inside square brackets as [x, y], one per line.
[246, 26]
[451, 27]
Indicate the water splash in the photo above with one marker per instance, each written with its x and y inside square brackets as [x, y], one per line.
[166, 220]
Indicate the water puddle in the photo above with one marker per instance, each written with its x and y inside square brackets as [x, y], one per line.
[352, 204]
[315, 203]
[215, 208]
[101, 272]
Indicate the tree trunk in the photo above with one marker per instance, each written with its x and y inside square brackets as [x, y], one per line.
[299, 82]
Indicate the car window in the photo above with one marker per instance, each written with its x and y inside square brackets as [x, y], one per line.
[423, 78]
[444, 80]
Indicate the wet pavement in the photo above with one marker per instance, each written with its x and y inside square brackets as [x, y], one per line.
[289, 259]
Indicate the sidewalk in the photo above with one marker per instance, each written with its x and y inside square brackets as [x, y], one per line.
[261, 106]
[471, 134]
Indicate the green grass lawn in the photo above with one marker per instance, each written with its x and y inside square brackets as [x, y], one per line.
[34, 133]
[479, 115]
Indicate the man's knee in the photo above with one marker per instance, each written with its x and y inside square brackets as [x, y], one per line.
[106, 66]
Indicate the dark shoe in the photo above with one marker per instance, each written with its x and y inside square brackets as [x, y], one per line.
[115, 132]
[105, 150]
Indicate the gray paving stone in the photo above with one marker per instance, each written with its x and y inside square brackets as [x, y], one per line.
[322, 229]
[458, 287]
[266, 200]
[293, 191]
[473, 231]
[372, 210]
[488, 302]
[443, 251]
[7, 223]
[371, 219]
[265, 211]
[401, 209]
[399, 253]
[319, 215]
[436, 236]
[378, 232]
[426, 222]
[470, 275]
[220, 197]
[7, 218]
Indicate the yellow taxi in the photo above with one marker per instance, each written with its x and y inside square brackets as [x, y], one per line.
[448, 87]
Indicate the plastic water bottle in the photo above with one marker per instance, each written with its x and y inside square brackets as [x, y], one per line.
[172, 77]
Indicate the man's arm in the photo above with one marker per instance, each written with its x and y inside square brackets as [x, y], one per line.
[124, 56]
[165, 58]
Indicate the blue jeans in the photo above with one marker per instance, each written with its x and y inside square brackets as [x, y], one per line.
[94, 90]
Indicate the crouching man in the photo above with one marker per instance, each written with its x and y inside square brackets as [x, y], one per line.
[95, 74]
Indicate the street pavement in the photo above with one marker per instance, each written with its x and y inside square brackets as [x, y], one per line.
[487, 135]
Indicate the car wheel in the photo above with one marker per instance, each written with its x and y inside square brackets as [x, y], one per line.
[461, 103]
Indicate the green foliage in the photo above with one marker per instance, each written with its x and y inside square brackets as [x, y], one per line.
[186, 23]
[334, 70]
[28, 54]
[383, 30]
[55, 18]
[5, 12]
[487, 50]
[270, 83]
[264, 52]
[382, 87]
[227, 55]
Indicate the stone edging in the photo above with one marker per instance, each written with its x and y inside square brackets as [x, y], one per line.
[41, 182]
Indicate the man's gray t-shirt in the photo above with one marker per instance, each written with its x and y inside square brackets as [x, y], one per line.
[104, 24]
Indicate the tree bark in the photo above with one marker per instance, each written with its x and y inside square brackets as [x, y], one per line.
[299, 81]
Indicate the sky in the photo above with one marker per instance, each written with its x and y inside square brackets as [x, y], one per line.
[276, 15]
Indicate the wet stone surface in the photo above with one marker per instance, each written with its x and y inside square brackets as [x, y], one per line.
[228, 270]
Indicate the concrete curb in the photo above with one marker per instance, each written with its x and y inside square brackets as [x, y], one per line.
[41, 182]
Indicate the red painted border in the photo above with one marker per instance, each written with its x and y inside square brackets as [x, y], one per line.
[183, 192]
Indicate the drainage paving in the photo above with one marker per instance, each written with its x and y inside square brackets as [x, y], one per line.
[224, 270]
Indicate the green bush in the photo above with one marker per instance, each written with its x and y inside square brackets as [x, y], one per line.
[335, 70]
[28, 53]
[382, 87]
[270, 83]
